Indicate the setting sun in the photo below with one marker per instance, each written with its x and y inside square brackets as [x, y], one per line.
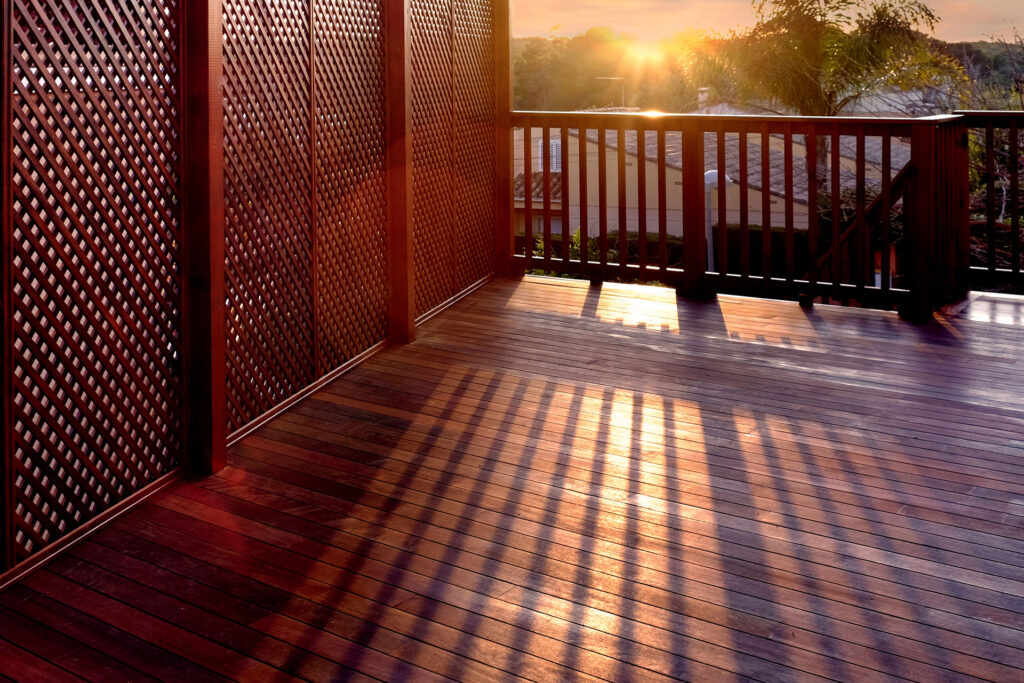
[646, 54]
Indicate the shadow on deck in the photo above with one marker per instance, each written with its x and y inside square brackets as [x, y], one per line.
[559, 482]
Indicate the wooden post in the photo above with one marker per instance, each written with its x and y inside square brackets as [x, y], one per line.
[962, 225]
[919, 220]
[694, 244]
[953, 199]
[203, 314]
[401, 275]
[503, 142]
[6, 287]
[936, 214]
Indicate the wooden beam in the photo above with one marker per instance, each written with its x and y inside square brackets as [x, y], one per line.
[203, 313]
[694, 245]
[919, 216]
[503, 229]
[6, 286]
[401, 275]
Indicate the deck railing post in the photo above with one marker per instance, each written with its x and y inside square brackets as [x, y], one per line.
[401, 300]
[919, 222]
[957, 188]
[203, 313]
[503, 141]
[935, 214]
[694, 244]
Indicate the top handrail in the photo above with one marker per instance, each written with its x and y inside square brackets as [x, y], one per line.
[653, 116]
[990, 114]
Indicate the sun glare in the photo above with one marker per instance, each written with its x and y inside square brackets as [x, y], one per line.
[646, 54]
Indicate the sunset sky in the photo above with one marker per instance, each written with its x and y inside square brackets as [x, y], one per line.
[654, 19]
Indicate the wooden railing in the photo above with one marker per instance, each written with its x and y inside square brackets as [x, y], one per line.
[996, 201]
[853, 210]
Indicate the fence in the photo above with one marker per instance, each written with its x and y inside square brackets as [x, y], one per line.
[180, 261]
[841, 209]
[996, 201]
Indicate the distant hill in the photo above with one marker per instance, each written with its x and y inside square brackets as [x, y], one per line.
[994, 63]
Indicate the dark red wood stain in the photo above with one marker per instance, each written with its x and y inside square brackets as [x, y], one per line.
[558, 481]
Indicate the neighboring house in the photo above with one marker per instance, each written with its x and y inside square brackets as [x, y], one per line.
[776, 184]
[896, 102]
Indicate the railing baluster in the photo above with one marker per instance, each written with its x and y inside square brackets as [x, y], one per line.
[790, 218]
[990, 194]
[886, 265]
[641, 190]
[744, 205]
[837, 214]
[662, 202]
[623, 217]
[811, 150]
[722, 252]
[602, 191]
[584, 161]
[528, 192]
[861, 257]
[766, 207]
[546, 169]
[1015, 227]
[566, 195]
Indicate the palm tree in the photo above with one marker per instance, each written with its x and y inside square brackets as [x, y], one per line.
[818, 57]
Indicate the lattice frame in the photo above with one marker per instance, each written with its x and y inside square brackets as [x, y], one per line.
[453, 92]
[267, 197]
[475, 163]
[96, 296]
[306, 259]
[433, 152]
[351, 203]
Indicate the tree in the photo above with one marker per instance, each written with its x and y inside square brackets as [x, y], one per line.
[818, 57]
[598, 68]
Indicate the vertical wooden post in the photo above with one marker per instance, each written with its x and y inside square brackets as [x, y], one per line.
[954, 200]
[6, 287]
[314, 247]
[203, 314]
[503, 142]
[694, 244]
[398, 40]
[919, 220]
[962, 226]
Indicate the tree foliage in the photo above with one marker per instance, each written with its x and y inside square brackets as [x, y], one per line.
[818, 57]
[812, 57]
[566, 74]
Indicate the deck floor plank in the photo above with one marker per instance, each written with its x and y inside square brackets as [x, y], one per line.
[560, 481]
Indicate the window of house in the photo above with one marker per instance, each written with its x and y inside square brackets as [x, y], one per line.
[554, 155]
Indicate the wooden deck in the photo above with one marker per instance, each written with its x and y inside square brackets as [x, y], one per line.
[558, 482]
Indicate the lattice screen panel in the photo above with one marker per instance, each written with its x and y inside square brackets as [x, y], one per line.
[433, 152]
[351, 210]
[474, 140]
[453, 146]
[305, 195]
[97, 286]
[268, 209]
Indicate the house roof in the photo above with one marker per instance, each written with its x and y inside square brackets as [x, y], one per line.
[873, 152]
[777, 160]
[537, 189]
